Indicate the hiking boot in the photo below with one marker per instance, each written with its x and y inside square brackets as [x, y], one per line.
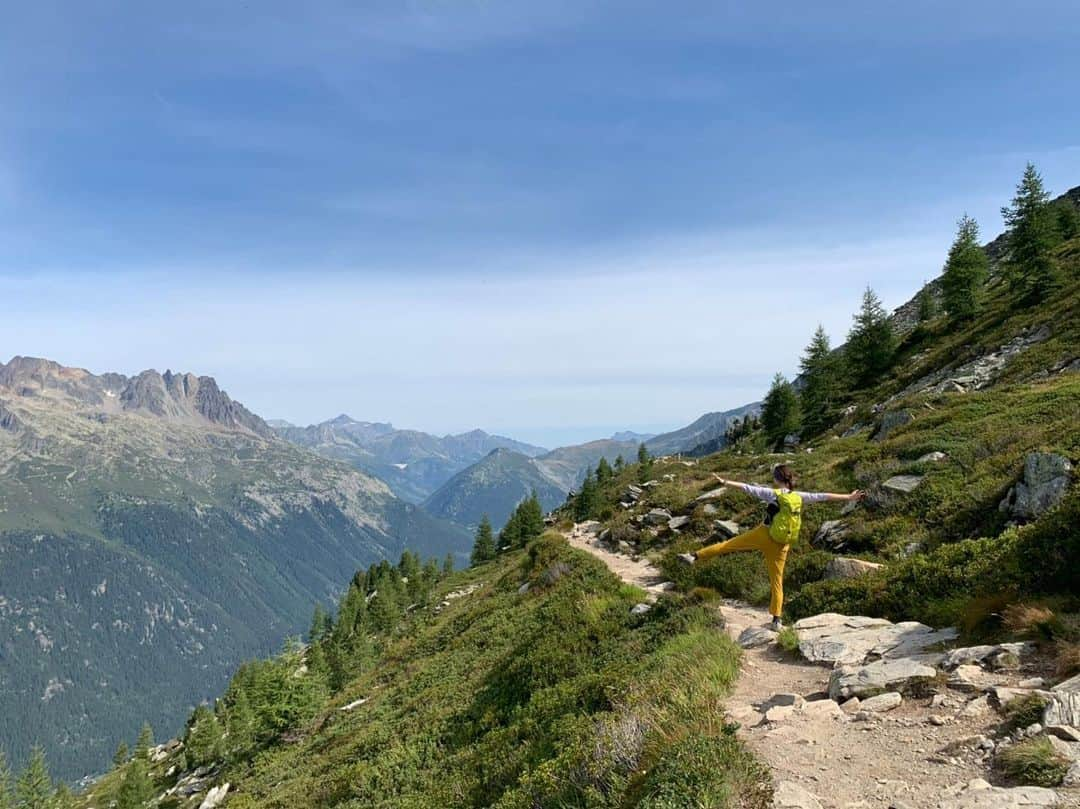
[776, 624]
[687, 558]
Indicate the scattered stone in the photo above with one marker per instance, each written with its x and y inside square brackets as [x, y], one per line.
[778, 713]
[712, 494]
[353, 705]
[980, 706]
[978, 794]
[969, 678]
[754, 636]
[523, 589]
[821, 708]
[851, 640]
[933, 457]
[215, 796]
[997, 656]
[675, 523]
[851, 705]
[729, 528]
[785, 699]
[1063, 708]
[937, 720]
[1066, 732]
[1042, 486]
[1072, 684]
[1032, 682]
[640, 609]
[789, 795]
[903, 674]
[658, 516]
[710, 510]
[892, 421]
[589, 527]
[904, 484]
[843, 567]
[882, 702]
[832, 534]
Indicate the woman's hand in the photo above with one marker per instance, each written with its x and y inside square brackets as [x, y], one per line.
[722, 481]
[858, 494]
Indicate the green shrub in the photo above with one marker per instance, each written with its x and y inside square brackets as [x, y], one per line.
[1033, 762]
[686, 776]
[788, 640]
[1022, 712]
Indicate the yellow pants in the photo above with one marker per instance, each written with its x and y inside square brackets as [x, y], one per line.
[757, 539]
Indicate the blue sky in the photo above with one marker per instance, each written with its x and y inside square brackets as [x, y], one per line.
[550, 219]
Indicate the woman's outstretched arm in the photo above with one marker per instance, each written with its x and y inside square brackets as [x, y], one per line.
[766, 493]
[760, 492]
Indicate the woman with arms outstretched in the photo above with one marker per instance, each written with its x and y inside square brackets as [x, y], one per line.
[776, 535]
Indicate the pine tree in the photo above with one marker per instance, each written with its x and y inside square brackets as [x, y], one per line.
[484, 543]
[63, 798]
[780, 410]
[203, 742]
[7, 787]
[587, 499]
[1032, 235]
[530, 519]
[318, 624]
[926, 305]
[966, 270]
[144, 742]
[121, 755]
[645, 462]
[820, 383]
[871, 343]
[241, 725]
[604, 472]
[1066, 219]
[136, 789]
[620, 463]
[34, 789]
[510, 535]
[448, 564]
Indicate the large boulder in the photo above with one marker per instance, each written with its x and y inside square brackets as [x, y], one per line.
[904, 484]
[789, 795]
[658, 516]
[677, 523]
[902, 675]
[994, 656]
[1042, 486]
[727, 528]
[831, 534]
[978, 794]
[850, 640]
[890, 422]
[712, 494]
[844, 568]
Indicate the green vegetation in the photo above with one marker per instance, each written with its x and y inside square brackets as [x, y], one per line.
[965, 273]
[1032, 236]
[489, 696]
[821, 383]
[1022, 712]
[788, 640]
[526, 523]
[484, 544]
[780, 411]
[871, 344]
[1034, 762]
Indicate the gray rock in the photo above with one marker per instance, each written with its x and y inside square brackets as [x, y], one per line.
[902, 675]
[831, 534]
[710, 510]
[892, 421]
[998, 655]
[523, 588]
[1066, 732]
[1063, 708]
[970, 679]
[1042, 486]
[845, 568]
[729, 528]
[1072, 684]
[658, 516]
[903, 483]
[980, 706]
[712, 494]
[978, 794]
[214, 797]
[789, 795]
[754, 636]
[933, 457]
[882, 702]
[675, 523]
[850, 640]
[640, 609]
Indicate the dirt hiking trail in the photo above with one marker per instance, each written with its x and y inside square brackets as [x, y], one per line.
[927, 753]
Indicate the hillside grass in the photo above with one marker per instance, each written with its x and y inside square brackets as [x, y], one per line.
[556, 696]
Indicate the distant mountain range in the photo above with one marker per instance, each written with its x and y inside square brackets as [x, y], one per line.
[153, 534]
[412, 463]
[707, 431]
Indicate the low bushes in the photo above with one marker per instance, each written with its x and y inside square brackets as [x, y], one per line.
[1033, 762]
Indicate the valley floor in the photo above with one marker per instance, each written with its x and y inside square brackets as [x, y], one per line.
[923, 754]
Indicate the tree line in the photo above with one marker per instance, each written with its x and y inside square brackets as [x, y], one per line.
[1035, 228]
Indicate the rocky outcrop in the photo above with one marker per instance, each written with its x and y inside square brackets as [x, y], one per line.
[903, 484]
[902, 675]
[844, 568]
[890, 422]
[978, 794]
[1042, 486]
[850, 640]
[831, 534]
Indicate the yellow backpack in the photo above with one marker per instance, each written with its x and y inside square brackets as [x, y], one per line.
[787, 521]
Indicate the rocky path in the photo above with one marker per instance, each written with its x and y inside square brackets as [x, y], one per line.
[929, 748]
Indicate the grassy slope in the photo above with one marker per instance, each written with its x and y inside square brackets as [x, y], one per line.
[553, 697]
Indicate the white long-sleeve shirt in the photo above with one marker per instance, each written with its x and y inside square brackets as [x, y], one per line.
[769, 495]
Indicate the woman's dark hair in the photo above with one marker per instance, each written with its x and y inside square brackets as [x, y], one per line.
[782, 473]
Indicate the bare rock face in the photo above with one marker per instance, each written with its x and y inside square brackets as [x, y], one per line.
[831, 534]
[978, 794]
[844, 568]
[892, 421]
[851, 640]
[901, 675]
[904, 484]
[1042, 485]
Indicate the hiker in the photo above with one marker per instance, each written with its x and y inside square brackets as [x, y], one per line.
[774, 536]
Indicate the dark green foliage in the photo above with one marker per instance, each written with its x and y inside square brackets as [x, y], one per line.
[871, 344]
[1023, 712]
[121, 755]
[203, 743]
[34, 789]
[1031, 238]
[320, 624]
[965, 273]
[144, 742]
[1066, 218]
[1034, 762]
[645, 463]
[587, 500]
[604, 471]
[484, 544]
[7, 787]
[821, 384]
[685, 777]
[136, 788]
[620, 463]
[780, 410]
[927, 305]
[448, 564]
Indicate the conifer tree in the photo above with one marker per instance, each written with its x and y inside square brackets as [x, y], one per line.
[1032, 235]
[484, 543]
[604, 472]
[620, 463]
[448, 564]
[318, 624]
[63, 798]
[510, 535]
[144, 742]
[136, 789]
[966, 270]
[241, 725]
[780, 410]
[203, 742]
[34, 789]
[926, 305]
[7, 787]
[871, 343]
[530, 518]
[587, 499]
[645, 462]
[820, 383]
[121, 755]
[1067, 219]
